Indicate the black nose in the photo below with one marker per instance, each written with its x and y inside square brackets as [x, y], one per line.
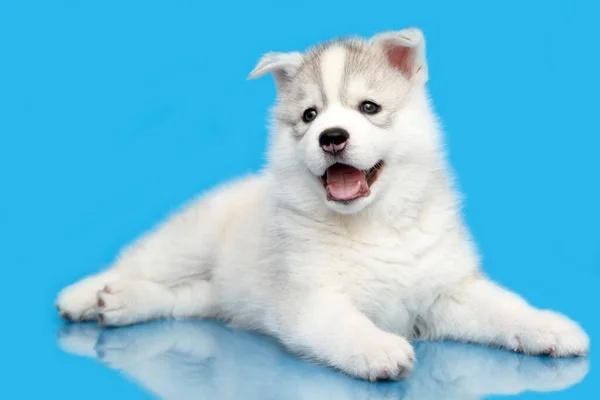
[333, 140]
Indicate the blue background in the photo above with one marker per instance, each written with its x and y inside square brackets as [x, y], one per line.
[114, 113]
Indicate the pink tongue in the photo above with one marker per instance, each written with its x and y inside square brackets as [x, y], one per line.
[346, 183]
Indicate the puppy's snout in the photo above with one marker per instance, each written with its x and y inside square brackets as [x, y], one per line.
[333, 140]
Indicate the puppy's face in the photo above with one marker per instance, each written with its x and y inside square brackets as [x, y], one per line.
[343, 116]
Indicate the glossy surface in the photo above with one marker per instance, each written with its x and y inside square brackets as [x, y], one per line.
[190, 359]
[114, 113]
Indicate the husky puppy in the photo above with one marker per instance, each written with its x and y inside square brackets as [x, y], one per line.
[347, 245]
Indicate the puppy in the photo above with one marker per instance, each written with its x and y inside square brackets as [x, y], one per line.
[347, 245]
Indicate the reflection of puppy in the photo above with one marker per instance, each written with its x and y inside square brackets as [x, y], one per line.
[348, 244]
[192, 359]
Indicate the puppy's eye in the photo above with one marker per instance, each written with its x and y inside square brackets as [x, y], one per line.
[368, 107]
[309, 115]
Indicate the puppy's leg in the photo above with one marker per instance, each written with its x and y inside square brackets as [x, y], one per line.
[180, 250]
[480, 311]
[126, 302]
[329, 329]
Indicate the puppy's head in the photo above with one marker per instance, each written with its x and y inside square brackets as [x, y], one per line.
[348, 113]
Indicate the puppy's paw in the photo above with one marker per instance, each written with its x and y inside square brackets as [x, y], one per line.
[77, 302]
[127, 302]
[552, 334]
[381, 357]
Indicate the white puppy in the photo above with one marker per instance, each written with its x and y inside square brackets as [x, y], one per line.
[347, 245]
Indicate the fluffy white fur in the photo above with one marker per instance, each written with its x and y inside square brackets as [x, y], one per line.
[345, 284]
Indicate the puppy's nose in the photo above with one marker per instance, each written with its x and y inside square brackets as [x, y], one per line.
[333, 140]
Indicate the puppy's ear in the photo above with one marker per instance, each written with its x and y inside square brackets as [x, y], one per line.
[405, 51]
[283, 66]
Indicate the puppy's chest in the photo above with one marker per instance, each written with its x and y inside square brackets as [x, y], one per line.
[389, 277]
[376, 259]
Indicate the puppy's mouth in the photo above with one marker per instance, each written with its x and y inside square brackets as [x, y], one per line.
[345, 183]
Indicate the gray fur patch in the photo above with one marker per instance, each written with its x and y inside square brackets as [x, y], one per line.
[364, 65]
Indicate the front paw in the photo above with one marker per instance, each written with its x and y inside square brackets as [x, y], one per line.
[381, 357]
[552, 334]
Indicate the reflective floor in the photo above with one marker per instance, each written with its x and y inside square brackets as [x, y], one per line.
[206, 360]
